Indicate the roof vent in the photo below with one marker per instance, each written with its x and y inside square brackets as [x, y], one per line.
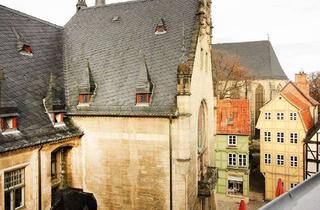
[116, 19]
[161, 27]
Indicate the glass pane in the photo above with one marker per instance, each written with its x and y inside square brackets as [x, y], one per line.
[18, 198]
[7, 203]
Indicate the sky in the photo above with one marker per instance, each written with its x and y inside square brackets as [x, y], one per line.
[293, 26]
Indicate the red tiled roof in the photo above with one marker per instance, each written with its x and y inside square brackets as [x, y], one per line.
[292, 93]
[233, 117]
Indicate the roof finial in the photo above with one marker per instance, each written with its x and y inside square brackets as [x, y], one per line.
[81, 4]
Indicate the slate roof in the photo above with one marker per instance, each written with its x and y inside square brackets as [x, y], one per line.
[304, 196]
[236, 110]
[26, 78]
[115, 50]
[259, 57]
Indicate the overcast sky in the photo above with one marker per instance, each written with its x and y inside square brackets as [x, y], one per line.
[293, 25]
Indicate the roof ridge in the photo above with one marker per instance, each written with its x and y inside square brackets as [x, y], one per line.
[258, 41]
[30, 16]
[116, 4]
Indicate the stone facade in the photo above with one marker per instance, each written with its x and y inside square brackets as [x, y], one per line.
[28, 159]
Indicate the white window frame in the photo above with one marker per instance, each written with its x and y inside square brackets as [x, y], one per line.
[267, 115]
[280, 116]
[293, 115]
[294, 161]
[294, 138]
[267, 159]
[232, 140]
[280, 137]
[12, 187]
[267, 136]
[280, 160]
[242, 160]
[233, 158]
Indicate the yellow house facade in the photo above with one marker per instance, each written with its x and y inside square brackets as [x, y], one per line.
[284, 122]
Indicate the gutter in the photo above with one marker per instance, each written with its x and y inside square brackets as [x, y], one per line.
[39, 179]
[170, 162]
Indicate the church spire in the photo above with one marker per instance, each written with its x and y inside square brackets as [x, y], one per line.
[81, 4]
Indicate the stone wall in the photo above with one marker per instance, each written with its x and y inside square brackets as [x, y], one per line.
[28, 159]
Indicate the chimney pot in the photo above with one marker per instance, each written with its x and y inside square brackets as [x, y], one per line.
[100, 3]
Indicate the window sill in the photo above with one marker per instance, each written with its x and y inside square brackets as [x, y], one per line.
[83, 105]
[10, 132]
[59, 125]
[232, 147]
[142, 104]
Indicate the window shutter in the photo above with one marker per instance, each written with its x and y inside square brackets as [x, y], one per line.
[14, 122]
[80, 98]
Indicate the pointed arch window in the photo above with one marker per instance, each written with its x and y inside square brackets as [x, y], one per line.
[259, 100]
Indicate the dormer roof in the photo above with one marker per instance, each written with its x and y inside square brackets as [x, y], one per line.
[144, 83]
[53, 101]
[87, 85]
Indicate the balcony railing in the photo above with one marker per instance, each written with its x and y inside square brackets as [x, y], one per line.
[208, 183]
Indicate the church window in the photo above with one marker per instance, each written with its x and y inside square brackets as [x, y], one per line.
[14, 183]
[259, 100]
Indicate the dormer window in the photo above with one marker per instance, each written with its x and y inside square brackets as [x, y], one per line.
[143, 99]
[8, 124]
[57, 119]
[84, 99]
[160, 28]
[26, 50]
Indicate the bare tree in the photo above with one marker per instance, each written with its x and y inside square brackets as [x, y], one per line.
[314, 81]
[228, 75]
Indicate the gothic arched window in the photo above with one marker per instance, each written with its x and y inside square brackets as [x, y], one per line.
[201, 127]
[259, 99]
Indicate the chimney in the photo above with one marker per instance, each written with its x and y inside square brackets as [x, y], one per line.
[302, 82]
[100, 3]
[81, 4]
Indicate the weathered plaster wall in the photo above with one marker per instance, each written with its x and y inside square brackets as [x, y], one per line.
[126, 161]
[28, 159]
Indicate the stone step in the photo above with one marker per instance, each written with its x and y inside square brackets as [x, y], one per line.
[256, 196]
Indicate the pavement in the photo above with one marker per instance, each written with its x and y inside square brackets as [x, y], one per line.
[226, 205]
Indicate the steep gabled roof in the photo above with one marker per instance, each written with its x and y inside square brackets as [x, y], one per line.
[114, 49]
[259, 57]
[26, 78]
[292, 93]
[233, 117]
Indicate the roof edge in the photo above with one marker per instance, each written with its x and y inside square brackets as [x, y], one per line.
[30, 16]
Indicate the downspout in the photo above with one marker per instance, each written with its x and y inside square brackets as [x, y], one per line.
[170, 161]
[39, 178]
